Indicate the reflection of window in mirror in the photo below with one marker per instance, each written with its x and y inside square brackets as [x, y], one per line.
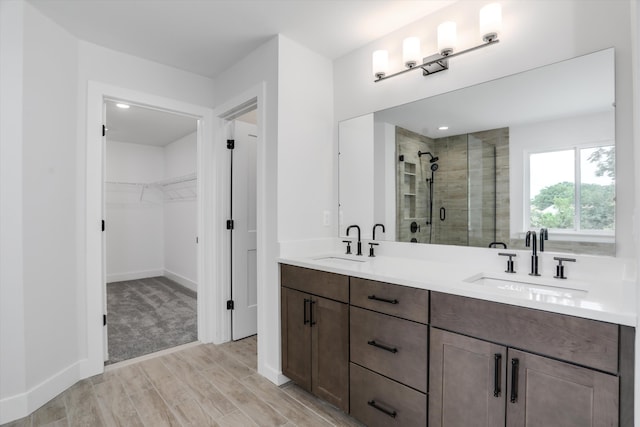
[573, 190]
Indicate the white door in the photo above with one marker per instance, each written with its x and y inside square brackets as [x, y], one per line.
[104, 236]
[244, 278]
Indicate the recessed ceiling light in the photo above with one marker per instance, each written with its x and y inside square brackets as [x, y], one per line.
[125, 106]
[443, 128]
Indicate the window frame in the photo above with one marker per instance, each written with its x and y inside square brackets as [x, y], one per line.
[577, 233]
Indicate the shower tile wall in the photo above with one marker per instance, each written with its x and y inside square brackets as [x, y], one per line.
[489, 151]
[470, 200]
[411, 181]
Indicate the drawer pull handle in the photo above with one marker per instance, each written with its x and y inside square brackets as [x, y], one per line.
[312, 319]
[390, 301]
[384, 347]
[373, 403]
[496, 374]
[305, 311]
[514, 380]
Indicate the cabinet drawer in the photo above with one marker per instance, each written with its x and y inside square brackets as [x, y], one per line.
[583, 341]
[402, 301]
[321, 283]
[379, 401]
[396, 348]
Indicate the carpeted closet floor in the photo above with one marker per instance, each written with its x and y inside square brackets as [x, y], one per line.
[148, 315]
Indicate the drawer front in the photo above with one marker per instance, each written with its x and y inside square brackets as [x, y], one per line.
[395, 348]
[321, 283]
[379, 401]
[402, 301]
[583, 341]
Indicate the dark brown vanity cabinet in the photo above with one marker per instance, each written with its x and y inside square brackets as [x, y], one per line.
[315, 332]
[389, 340]
[474, 381]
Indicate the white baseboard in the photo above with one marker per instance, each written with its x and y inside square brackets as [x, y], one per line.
[134, 275]
[23, 404]
[187, 283]
[274, 375]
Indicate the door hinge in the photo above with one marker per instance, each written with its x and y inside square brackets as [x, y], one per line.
[196, 240]
[229, 224]
[231, 144]
[104, 130]
[103, 225]
[230, 305]
[104, 320]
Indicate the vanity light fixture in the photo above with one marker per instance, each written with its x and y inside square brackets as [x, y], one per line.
[490, 27]
[443, 128]
[123, 106]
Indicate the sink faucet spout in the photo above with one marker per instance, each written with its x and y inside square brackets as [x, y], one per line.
[531, 241]
[359, 241]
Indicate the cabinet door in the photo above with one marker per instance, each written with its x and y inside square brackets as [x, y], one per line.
[467, 380]
[330, 351]
[296, 337]
[551, 393]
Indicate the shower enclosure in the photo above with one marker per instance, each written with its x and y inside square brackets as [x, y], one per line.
[452, 190]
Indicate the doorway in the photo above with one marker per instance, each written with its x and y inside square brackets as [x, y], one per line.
[150, 231]
[243, 211]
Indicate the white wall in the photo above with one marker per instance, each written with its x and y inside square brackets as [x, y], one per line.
[135, 228]
[535, 33]
[44, 244]
[12, 333]
[180, 216]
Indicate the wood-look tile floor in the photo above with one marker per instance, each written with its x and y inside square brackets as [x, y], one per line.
[203, 385]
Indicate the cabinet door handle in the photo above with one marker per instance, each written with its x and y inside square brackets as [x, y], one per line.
[496, 374]
[384, 347]
[390, 301]
[391, 413]
[305, 311]
[312, 319]
[514, 380]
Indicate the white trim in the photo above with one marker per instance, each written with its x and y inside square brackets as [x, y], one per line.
[187, 283]
[133, 275]
[96, 93]
[19, 405]
[149, 356]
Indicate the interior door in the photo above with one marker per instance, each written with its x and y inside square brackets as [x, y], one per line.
[243, 237]
[105, 329]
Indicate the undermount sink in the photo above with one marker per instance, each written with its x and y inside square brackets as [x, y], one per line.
[340, 260]
[532, 286]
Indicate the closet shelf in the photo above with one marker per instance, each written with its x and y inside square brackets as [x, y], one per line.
[176, 188]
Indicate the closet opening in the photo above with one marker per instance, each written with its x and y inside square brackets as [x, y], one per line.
[150, 209]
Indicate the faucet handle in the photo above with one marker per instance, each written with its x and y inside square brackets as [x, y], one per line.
[371, 245]
[509, 262]
[560, 267]
[348, 242]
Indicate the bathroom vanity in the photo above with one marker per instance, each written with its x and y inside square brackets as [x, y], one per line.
[404, 351]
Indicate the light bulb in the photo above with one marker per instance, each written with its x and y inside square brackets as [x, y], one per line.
[411, 51]
[490, 21]
[380, 63]
[447, 37]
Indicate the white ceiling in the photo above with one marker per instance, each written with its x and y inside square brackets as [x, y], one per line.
[207, 37]
[140, 125]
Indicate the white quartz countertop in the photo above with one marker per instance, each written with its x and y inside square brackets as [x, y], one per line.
[613, 301]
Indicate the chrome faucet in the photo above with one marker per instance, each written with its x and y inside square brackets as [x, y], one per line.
[530, 241]
[359, 242]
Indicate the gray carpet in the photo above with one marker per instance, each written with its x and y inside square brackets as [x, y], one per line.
[148, 315]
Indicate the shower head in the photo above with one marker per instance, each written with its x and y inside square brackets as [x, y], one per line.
[431, 160]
